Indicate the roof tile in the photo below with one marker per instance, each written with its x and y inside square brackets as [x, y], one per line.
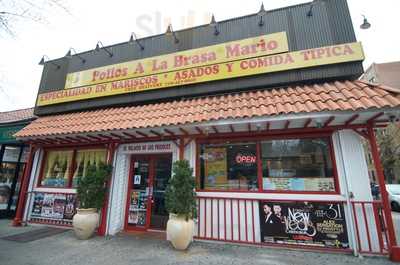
[16, 115]
[332, 96]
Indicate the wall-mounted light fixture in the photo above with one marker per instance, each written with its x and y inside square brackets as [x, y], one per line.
[214, 24]
[365, 24]
[97, 49]
[261, 14]
[171, 32]
[69, 54]
[133, 38]
[43, 61]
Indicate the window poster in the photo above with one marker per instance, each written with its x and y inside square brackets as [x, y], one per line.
[299, 184]
[137, 208]
[59, 206]
[47, 206]
[319, 224]
[54, 206]
[70, 206]
[37, 204]
[215, 166]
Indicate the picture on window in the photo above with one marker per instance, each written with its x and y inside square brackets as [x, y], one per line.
[229, 167]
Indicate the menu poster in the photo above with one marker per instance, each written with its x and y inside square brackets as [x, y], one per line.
[319, 224]
[37, 204]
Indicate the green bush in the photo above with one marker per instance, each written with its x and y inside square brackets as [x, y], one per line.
[91, 189]
[180, 197]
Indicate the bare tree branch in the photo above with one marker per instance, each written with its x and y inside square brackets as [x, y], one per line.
[13, 11]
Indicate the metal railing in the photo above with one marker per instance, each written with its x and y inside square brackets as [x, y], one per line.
[237, 220]
[370, 221]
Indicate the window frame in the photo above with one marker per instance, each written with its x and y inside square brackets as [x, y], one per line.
[71, 169]
[257, 140]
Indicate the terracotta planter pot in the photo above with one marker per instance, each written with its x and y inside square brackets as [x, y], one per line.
[85, 222]
[180, 231]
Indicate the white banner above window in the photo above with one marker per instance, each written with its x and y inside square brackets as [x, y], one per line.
[148, 148]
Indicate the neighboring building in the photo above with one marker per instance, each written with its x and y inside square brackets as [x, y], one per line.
[266, 107]
[13, 156]
[383, 73]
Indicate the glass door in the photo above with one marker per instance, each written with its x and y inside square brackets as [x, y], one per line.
[139, 194]
[161, 176]
[12, 163]
[148, 180]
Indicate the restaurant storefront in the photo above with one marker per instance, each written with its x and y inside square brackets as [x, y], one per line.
[269, 115]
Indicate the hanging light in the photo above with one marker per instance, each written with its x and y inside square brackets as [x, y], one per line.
[97, 49]
[171, 32]
[133, 38]
[214, 24]
[365, 24]
[261, 14]
[69, 54]
[43, 61]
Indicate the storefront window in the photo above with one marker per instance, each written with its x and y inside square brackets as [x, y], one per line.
[11, 169]
[228, 167]
[84, 159]
[7, 174]
[297, 165]
[63, 169]
[57, 169]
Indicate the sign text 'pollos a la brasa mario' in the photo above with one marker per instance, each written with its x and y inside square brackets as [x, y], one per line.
[229, 60]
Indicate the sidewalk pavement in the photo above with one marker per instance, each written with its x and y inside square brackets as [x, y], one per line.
[64, 248]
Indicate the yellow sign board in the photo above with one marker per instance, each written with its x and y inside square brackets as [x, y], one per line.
[238, 68]
[220, 53]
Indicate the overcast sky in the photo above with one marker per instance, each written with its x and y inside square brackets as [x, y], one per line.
[113, 21]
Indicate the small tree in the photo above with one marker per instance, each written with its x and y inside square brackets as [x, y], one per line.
[91, 188]
[389, 146]
[180, 197]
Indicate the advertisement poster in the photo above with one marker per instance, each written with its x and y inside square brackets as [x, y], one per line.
[299, 184]
[59, 206]
[53, 206]
[215, 166]
[70, 206]
[47, 207]
[318, 224]
[37, 204]
[138, 208]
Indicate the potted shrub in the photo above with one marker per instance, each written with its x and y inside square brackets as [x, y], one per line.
[91, 191]
[180, 202]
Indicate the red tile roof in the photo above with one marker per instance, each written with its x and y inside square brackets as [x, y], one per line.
[330, 96]
[16, 115]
